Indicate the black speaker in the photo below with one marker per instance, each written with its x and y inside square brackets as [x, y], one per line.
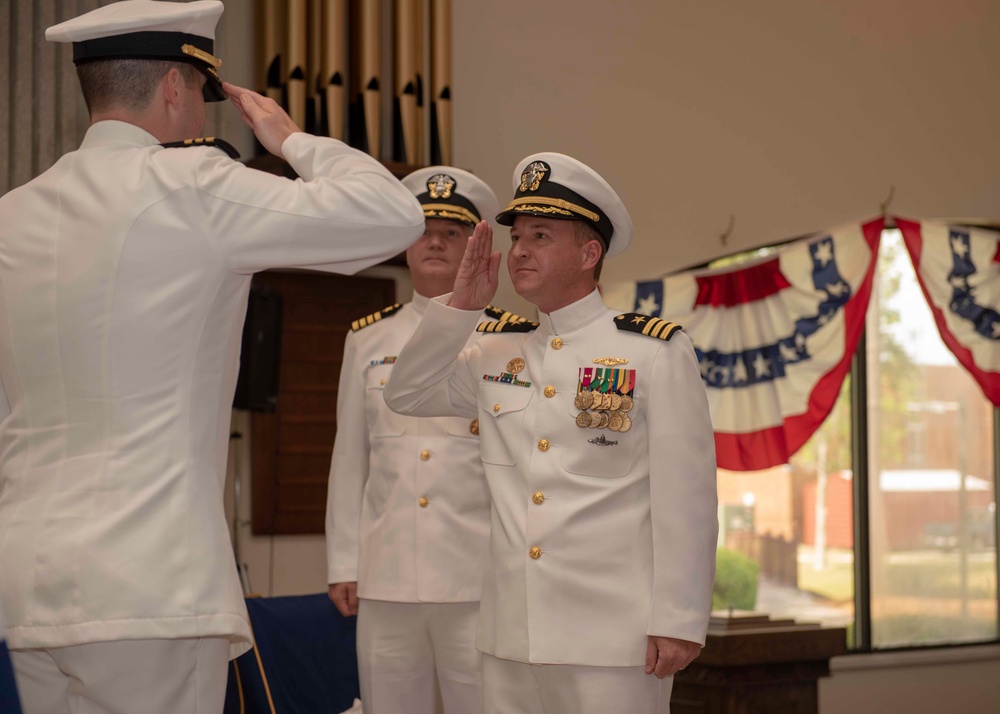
[260, 362]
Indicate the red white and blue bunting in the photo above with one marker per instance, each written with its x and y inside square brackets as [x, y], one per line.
[774, 337]
[958, 269]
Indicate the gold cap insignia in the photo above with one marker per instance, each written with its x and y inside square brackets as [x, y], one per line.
[533, 175]
[440, 186]
[209, 59]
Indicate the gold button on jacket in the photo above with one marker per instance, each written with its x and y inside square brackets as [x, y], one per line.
[557, 344]
[424, 455]
[543, 445]
[538, 497]
[550, 391]
[423, 502]
[535, 552]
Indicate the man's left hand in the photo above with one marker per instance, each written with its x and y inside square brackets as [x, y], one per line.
[665, 656]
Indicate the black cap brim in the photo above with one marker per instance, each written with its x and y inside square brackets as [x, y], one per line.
[212, 91]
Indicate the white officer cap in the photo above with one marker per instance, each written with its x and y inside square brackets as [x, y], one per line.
[147, 29]
[551, 185]
[453, 194]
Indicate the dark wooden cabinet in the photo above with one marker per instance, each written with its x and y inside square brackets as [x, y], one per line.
[765, 670]
[291, 447]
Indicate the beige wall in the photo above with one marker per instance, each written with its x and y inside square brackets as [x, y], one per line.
[793, 116]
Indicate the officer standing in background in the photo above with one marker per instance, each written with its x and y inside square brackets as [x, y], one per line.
[408, 509]
[598, 451]
[124, 275]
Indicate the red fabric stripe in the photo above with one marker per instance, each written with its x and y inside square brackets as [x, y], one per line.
[996, 256]
[740, 286]
[775, 445]
[989, 381]
[751, 452]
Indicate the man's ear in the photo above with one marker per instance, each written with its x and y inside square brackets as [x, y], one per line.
[591, 254]
[173, 86]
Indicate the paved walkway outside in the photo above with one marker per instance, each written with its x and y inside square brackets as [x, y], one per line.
[779, 600]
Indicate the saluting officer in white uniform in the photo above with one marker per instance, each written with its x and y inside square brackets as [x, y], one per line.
[124, 275]
[598, 452]
[408, 508]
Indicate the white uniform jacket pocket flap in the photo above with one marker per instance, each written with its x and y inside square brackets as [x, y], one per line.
[500, 399]
[501, 413]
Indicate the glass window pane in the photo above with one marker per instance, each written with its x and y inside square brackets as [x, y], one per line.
[786, 533]
[931, 491]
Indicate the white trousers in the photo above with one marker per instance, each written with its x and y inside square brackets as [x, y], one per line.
[401, 645]
[124, 677]
[519, 688]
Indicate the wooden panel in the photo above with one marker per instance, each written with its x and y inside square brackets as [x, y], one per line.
[758, 671]
[291, 447]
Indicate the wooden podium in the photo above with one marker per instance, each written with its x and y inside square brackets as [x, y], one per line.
[752, 664]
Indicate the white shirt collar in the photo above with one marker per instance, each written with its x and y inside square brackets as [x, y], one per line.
[419, 302]
[117, 132]
[575, 315]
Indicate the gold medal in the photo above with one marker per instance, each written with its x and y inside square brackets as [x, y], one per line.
[583, 420]
[515, 365]
[616, 421]
[595, 420]
[583, 400]
[627, 404]
[604, 421]
[616, 401]
[627, 425]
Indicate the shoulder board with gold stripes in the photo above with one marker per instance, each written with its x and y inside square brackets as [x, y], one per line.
[204, 141]
[500, 314]
[367, 320]
[646, 325]
[507, 326]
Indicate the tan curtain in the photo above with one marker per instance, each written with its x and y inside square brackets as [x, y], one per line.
[42, 114]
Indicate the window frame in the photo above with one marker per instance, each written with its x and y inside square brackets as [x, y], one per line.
[860, 450]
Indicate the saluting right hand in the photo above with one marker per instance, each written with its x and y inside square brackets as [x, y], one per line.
[270, 123]
[477, 279]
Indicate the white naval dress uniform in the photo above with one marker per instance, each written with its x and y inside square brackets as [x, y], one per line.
[408, 519]
[595, 542]
[124, 275]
